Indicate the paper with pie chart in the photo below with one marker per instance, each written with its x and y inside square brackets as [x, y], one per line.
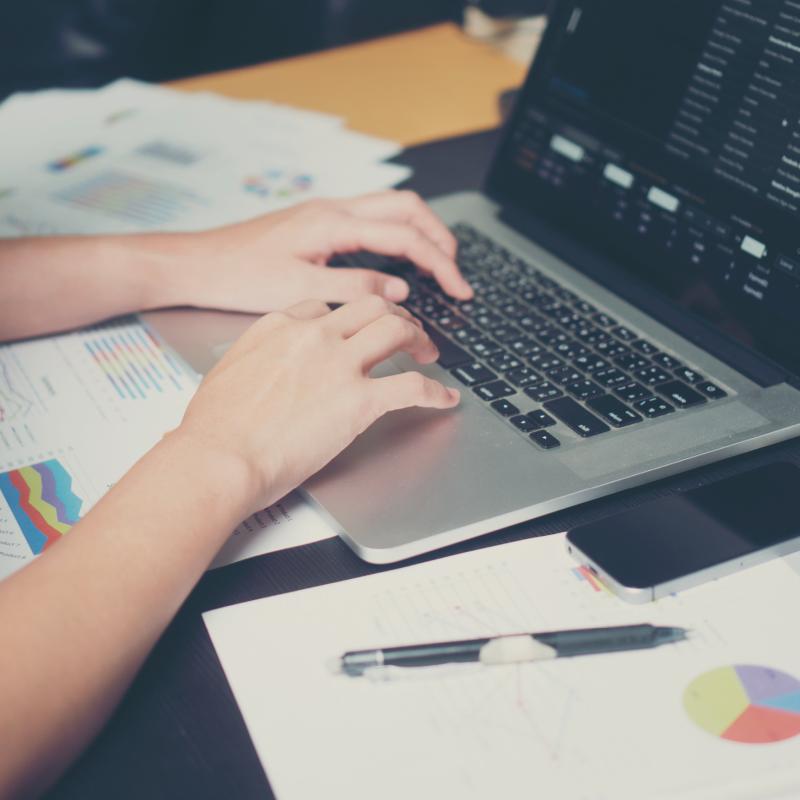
[745, 703]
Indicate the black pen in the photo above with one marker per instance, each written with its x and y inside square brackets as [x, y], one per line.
[513, 649]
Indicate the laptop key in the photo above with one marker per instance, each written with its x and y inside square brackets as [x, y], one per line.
[505, 408]
[473, 374]
[680, 394]
[643, 346]
[604, 320]
[584, 390]
[524, 376]
[711, 390]
[610, 377]
[494, 391]
[631, 392]
[484, 348]
[545, 440]
[576, 417]
[689, 375]
[650, 376]
[563, 375]
[666, 362]
[626, 334]
[450, 354]
[653, 407]
[590, 363]
[542, 419]
[503, 362]
[612, 349]
[631, 362]
[543, 391]
[524, 423]
[613, 411]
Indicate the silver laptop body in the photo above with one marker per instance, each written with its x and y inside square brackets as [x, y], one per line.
[421, 480]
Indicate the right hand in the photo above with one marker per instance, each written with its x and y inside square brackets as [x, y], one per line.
[295, 390]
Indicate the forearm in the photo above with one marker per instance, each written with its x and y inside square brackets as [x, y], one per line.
[78, 622]
[57, 283]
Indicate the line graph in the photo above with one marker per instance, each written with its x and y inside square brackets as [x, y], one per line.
[15, 400]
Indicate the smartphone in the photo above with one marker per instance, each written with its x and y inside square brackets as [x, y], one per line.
[673, 543]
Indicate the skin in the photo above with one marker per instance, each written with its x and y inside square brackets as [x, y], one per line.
[98, 601]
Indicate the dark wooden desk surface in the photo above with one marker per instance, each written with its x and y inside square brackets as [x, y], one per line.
[178, 733]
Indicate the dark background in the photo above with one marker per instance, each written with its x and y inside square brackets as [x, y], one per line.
[85, 43]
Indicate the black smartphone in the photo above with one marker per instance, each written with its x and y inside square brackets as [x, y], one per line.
[679, 541]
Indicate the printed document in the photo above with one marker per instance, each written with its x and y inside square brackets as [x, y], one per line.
[715, 716]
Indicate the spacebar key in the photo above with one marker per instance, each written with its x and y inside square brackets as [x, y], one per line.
[576, 417]
[450, 354]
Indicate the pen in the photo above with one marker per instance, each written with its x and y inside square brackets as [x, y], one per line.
[513, 649]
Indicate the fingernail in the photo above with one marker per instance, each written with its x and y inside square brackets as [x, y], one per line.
[396, 289]
[454, 394]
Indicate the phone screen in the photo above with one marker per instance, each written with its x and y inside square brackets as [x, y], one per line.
[666, 539]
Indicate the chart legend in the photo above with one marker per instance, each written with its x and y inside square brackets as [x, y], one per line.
[42, 502]
[745, 703]
[135, 363]
[72, 160]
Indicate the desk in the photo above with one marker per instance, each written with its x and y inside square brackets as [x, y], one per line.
[178, 733]
[412, 88]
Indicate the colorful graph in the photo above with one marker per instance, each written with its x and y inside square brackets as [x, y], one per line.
[134, 361]
[42, 501]
[72, 160]
[278, 183]
[585, 575]
[745, 703]
[131, 198]
[14, 402]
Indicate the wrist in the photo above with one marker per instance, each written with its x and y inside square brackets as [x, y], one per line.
[162, 266]
[223, 478]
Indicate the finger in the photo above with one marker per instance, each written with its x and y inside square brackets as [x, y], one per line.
[404, 206]
[389, 335]
[395, 239]
[308, 309]
[351, 318]
[343, 285]
[412, 389]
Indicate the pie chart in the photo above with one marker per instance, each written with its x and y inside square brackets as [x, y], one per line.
[745, 703]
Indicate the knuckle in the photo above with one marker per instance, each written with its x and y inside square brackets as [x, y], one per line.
[412, 198]
[398, 328]
[377, 305]
[365, 282]
[416, 384]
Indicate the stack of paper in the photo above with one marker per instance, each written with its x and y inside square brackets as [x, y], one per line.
[128, 158]
[135, 157]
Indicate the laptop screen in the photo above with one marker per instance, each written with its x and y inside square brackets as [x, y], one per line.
[666, 135]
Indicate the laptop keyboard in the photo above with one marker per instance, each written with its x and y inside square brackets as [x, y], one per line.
[546, 359]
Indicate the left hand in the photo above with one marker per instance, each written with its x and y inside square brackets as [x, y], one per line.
[280, 259]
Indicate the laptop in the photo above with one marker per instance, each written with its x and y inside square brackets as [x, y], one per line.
[636, 260]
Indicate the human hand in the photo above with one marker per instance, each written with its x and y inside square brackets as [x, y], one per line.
[280, 259]
[295, 390]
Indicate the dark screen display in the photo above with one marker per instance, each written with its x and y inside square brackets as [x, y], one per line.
[665, 134]
[685, 533]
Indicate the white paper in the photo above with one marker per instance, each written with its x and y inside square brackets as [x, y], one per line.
[135, 157]
[76, 412]
[606, 726]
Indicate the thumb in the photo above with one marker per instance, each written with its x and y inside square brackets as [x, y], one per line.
[341, 285]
